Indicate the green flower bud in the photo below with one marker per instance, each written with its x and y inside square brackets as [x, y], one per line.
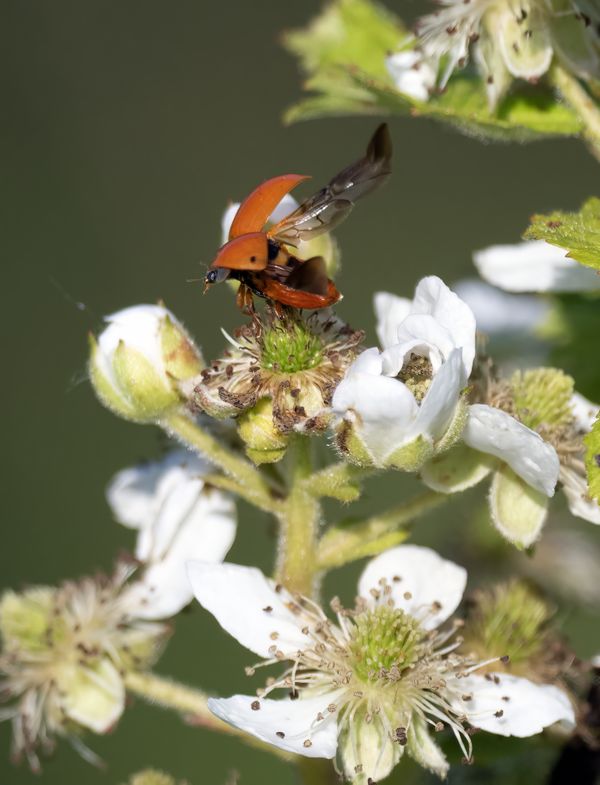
[139, 361]
[264, 443]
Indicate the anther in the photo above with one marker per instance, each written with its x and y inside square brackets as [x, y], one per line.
[255, 705]
[280, 734]
[307, 743]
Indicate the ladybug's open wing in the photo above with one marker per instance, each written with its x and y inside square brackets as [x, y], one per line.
[254, 211]
[326, 209]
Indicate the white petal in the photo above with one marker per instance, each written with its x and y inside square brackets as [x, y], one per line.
[430, 588]
[286, 206]
[295, 719]
[207, 533]
[584, 412]
[438, 407]
[498, 312]
[247, 606]
[412, 73]
[138, 327]
[497, 433]
[576, 490]
[529, 709]
[383, 409]
[390, 311]
[433, 297]
[534, 266]
[423, 335]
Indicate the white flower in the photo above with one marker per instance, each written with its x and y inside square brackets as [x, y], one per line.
[512, 40]
[66, 650]
[534, 266]
[375, 683]
[412, 73]
[139, 360]
[399, 406]
[178, 518]
[528, 453]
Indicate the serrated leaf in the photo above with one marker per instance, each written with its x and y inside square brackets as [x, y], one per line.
[592, 460]
[579, 233]
[343, 51]
[573, 329]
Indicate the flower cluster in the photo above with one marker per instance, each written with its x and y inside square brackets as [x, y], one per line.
[507, 40]
[66, 651]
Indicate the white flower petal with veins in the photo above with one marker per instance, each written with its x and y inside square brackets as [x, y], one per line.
[248, 607]
[287, 724]
[419, 578]
[512, 706]
[534, 266]
[495, 432]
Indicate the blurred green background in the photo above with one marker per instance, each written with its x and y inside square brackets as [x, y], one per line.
[127, 126]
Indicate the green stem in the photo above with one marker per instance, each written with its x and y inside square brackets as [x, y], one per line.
[588, 111]
[245, 479]
[347, 542]
[299, 519]
[338, 481]
[192, 703]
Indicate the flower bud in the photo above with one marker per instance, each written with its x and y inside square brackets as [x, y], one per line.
[264, 443]
[139, 360]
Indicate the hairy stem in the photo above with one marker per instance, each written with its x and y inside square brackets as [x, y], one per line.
[347, 542]
[339, 481]
[299, 520]
[586, 108]
[245, 479]
[191, 703]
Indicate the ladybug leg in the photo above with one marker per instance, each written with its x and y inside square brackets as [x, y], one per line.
[244, 300]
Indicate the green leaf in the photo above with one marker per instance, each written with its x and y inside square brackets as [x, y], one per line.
[592, 460]
[351, 32]
[343, 52]
[579, 233]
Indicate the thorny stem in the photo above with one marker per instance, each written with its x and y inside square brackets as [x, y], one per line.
[344, 543]
[299, 521]
[192, 704]
[582, 103]
[243, 478]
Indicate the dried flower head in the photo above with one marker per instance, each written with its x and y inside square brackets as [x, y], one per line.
[64, 654]
[278, 376]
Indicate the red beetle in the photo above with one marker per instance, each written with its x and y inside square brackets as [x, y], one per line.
[263, 261]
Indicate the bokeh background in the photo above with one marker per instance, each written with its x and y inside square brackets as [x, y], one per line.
[126, 128]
